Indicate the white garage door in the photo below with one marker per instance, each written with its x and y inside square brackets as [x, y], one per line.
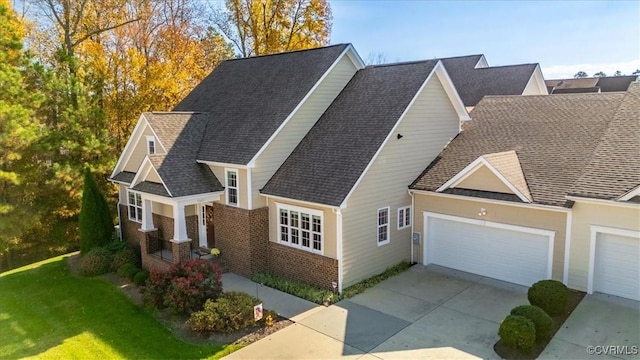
[617, 265]
[509, 253]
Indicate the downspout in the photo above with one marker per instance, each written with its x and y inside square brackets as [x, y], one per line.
[338, 213]
[413, 202]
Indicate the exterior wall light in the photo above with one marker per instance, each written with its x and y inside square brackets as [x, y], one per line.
[482, 212]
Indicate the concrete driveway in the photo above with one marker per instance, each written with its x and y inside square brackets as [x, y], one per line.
[430, 313]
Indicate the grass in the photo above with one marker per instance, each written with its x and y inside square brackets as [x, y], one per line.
[46, 313]
[325, 297]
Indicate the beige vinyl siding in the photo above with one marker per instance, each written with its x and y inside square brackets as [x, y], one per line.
[162, 209]
[533, 86]
[298, 126]
[139, 151]
[428, 126]
[328, 226]
[153, 176]
[587, 214]
[501, 213]
[221, 173]
[485, 180]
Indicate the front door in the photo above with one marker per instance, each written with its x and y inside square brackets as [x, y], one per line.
[202, 226]
[211, 235]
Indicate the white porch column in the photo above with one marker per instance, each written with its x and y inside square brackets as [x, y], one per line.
[179, 224]
[147, 217]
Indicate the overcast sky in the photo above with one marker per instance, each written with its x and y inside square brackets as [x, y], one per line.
[563, 36]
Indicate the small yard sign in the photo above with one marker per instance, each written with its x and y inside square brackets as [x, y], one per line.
[257, 312]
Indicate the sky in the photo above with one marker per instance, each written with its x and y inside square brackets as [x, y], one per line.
[564, 37]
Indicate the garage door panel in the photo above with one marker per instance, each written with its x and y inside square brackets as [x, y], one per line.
[617, 266]
[503, 254]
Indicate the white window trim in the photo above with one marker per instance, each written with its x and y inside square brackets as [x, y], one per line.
[378, 226]
[151, 140]
[403, 216]
[226, 187]
[139, 208]
[300, 210]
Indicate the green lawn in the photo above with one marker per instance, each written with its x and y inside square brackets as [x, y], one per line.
[47, 313]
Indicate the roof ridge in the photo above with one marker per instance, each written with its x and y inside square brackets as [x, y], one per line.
[400, 63]
[458, 57]
[288, 52]
[503, 66]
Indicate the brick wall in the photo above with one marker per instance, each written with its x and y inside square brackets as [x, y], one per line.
[302, 265]
[130, 229]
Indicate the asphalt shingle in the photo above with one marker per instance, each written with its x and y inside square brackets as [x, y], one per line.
[326, 164]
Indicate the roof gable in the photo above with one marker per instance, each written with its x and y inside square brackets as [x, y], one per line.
[504, 168]
[248, 99]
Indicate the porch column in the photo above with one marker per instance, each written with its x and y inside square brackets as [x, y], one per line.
[179, 224]
[147, 217]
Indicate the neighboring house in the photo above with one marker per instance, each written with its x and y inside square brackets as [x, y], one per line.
[587, 85]
[474, 78]
[539, 187]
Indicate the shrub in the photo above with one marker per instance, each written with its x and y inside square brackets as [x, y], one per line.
[95, 262]
[185, 287]
[538, 317]
[518, 332]
[231, 312]
[125, 269]
[141, 277]
[293, 287]
[95, 223]
[552, 296]
[123, 256]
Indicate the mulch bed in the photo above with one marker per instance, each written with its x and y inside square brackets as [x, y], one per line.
[177, 324]
[506, 352]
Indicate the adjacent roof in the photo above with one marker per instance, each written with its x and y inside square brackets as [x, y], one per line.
[554, 138]
[124, 177]
[590, 84]
[248, 99]
[474, 83]
[327, 163]
[180, 134]
[614, 168]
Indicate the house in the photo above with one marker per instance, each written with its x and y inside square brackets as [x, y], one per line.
[590, 84]
[227, 167]
[538, 187]
[474, 78]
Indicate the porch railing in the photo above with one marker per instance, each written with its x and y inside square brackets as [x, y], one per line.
[160, 248]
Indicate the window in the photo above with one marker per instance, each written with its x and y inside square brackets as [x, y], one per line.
[383, 226]
[151, 145]
[404, 217]
[300, 228]
[135, 207]
[232, 187]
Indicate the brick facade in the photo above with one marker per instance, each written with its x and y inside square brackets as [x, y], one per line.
[302, 265]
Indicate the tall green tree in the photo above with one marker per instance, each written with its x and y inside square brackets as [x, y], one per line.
[96, 223]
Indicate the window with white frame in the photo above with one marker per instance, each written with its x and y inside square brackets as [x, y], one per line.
[135, 206]
[151, 145]
[404, 217]
[383, 226]
[300, 228]
[232, 187]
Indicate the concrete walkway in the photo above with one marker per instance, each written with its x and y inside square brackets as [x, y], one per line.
[426, 313]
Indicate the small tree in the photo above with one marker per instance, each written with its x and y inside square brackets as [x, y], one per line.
[600, 74]
[580, 74]
[96, 224]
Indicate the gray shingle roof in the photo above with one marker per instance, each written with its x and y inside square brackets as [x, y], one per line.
[473, 84]
[614, 168]
[553, 136]
[124, 177]
[248, 99]
[181, 133]
[326, 164]
[602, 84]
[150, 187]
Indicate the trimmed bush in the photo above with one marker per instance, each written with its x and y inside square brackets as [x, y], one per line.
[141, 277]
[552, 296]
[185, 287]
[124, 270]
[95, 223]
[123, 256]
[540, 319]
[95, 262]
[518, 332]
[231, 312]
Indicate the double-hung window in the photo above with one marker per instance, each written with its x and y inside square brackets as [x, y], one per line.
[232, 187]
[135, 206]
[383, 226]
[151, 145]
[300, 228]
[404, 217]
